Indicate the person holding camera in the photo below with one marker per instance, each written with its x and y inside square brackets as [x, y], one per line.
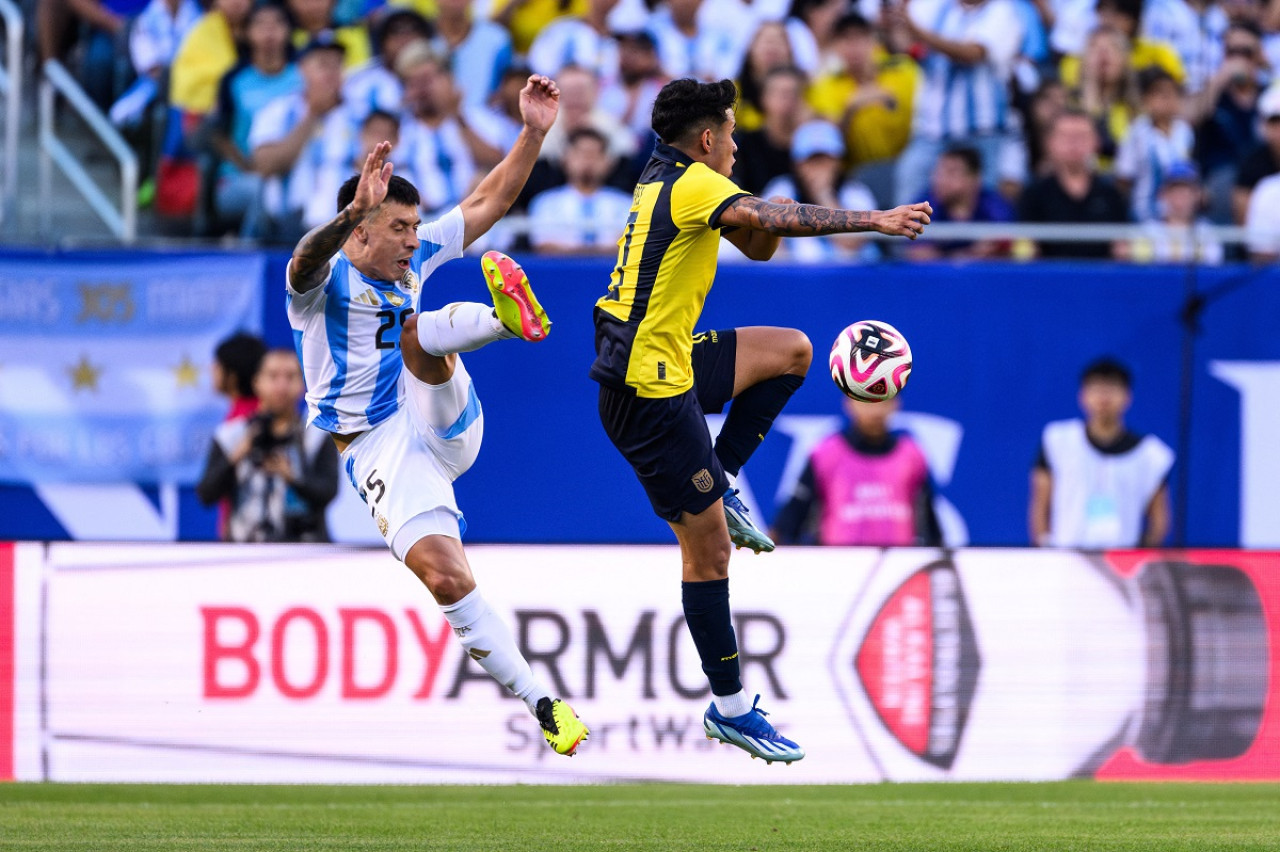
[278, 473]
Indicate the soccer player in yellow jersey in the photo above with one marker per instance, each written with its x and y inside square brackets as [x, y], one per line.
[657, 378]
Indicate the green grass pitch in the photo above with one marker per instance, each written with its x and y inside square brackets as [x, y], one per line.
[1077, 815]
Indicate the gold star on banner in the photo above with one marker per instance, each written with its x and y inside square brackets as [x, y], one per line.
[185, 373]
[84, 376]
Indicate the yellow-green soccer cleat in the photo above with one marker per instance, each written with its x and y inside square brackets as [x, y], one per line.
[561, 726]
[513, 300]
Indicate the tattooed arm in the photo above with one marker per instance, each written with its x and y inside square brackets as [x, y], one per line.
[810, 220]
[310, 262]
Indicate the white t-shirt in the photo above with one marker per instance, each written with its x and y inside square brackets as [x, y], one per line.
[350, 332]
[1262, 221]
[1100, 499]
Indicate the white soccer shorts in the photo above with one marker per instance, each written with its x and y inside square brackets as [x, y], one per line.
[405, 466]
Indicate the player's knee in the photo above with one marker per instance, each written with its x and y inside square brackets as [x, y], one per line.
[710, 560]
[800, 351]
[449, 580]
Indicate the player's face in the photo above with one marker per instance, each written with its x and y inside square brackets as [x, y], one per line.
[720, 158]
[1104, 400]
[391, 239]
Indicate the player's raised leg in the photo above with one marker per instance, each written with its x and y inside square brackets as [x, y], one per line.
[731, 717]
[770, 365]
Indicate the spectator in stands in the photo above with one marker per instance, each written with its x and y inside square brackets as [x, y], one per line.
[965, 94]
[957, 195]
[868, 485]
[1125, 17]
[1263, 160]
[524, 19]
[209, 51]
[695, 41]
[817, 177]
[105, 69]
[442, 143]
[245, 91]
[585, 41]
[1158, 138]
[156, 34]
[1195, 29]
[377, 126]
[769, 49]
[278, 473]
[871, 96]
[580, 107]
[1073, 191]
[1226, 115]
[235, 363]
[375, 85]
[1181, 234]
[311, 18]
[1048, 102]
[568, 219]
[479, 50]
[1095, 484]
[1261, 222]
[293, 138]
[631, 95]
[1107, 90]
[765, 154]
[819, 18]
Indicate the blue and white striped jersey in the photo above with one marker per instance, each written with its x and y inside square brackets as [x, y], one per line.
[347, 332]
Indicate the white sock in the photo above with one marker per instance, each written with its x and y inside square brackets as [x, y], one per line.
[732, 705]
[488, 641]
[460, 327]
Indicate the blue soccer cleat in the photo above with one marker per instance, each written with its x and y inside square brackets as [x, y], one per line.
[751, 733]
[742, 532]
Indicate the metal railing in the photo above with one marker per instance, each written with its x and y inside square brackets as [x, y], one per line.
[123, 222]
[11, 89]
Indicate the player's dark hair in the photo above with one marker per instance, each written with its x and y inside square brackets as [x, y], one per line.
[968, 155]
[399, 191]
[686, 106]
[1107, 370]
[588, 133]
[240, 355]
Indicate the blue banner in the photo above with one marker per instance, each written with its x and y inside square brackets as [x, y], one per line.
[104, 362]
[998, 350]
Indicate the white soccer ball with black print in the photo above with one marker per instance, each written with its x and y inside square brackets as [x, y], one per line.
[870, 361]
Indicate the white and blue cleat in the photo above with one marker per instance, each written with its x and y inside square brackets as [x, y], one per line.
[752, 733]
[742, 531]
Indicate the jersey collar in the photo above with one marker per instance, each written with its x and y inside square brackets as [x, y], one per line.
[671, 155]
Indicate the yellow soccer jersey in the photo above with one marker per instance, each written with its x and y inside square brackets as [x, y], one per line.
[666, 263]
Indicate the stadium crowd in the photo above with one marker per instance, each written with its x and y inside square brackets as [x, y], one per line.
[1162, 113]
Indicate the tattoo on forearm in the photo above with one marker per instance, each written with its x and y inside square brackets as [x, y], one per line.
[311, 257]
[803, 220]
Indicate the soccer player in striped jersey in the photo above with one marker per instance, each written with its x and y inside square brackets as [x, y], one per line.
[657, 379]
[387, 381]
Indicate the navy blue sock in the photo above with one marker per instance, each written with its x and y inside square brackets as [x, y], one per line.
[750, 417]
[706, 611]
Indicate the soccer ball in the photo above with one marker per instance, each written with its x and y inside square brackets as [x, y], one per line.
[870, 361]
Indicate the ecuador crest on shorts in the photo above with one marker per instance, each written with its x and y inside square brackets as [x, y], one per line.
[703, 480]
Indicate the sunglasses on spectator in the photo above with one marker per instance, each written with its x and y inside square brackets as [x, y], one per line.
[1240, 50]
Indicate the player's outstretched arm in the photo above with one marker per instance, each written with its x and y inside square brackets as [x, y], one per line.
[310, 262]
[493, 196]
[811, 220]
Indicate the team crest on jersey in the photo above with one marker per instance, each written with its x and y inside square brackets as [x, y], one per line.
[383, 526]
[703, 480]
[409, 281]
